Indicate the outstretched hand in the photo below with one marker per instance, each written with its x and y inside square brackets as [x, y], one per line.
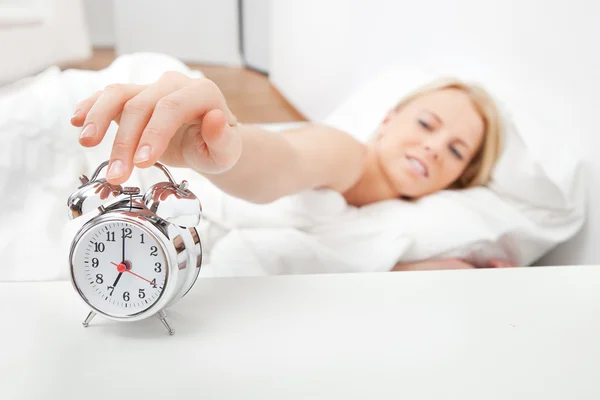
[182, 122]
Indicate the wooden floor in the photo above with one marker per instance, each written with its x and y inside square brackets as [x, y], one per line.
[249, 94]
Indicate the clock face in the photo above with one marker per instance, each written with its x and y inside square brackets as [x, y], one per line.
[119, 268]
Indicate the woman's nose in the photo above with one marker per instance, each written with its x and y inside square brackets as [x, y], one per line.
[430, 152]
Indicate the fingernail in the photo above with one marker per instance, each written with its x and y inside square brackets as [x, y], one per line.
[76, 113]
[115, 170]
[143, 154]
[88, 131]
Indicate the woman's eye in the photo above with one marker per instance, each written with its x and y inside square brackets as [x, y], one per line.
[424, 124]
[456, 153]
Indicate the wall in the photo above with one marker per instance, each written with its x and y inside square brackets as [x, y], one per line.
[100, 17]
[256, 31]
[311, 56]
[100, 20]
[52, 32]
[197, 31]
[544, 55]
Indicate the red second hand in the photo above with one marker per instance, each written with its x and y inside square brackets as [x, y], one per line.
[120, 267]
[133, 273]
[123, 268]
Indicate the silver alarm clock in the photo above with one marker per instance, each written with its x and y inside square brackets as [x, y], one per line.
[139, 254]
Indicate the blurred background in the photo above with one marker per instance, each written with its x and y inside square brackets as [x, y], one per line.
[292, 60]
[228, 40]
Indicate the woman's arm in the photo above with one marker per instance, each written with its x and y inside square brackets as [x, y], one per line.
[185, 122]
[273, 164]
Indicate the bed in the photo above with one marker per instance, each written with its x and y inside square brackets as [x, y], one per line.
[311, 232]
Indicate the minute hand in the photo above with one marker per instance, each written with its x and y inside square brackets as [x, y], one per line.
[123, 235]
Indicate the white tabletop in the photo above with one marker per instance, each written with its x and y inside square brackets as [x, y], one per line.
[531, 333]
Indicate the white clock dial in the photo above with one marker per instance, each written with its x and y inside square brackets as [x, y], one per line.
[119, 268]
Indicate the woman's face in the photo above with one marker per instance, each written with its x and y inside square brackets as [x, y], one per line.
[427, 144]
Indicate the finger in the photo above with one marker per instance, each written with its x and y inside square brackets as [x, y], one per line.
[210, 86]
[134, 118]
[172, 112]
[82, 108]
[224, 145]
[107, 108]
[230, 118]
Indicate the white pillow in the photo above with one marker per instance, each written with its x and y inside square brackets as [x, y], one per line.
[537, 197]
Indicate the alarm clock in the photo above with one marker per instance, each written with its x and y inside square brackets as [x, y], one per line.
[139, 253]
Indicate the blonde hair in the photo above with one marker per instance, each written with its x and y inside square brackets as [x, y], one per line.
[479, 170]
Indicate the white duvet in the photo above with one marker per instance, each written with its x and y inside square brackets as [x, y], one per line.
[310, 232]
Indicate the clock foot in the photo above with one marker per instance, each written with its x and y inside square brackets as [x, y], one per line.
[163, 318]
[90, 316]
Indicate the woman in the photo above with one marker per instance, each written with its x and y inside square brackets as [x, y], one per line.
[446, 135]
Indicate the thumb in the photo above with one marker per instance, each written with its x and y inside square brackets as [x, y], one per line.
[223, 142]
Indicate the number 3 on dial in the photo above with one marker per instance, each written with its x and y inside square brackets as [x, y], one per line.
[120, 267]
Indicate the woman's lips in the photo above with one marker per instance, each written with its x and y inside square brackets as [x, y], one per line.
[417, 166]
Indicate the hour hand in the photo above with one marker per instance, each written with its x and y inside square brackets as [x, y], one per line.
[117, 280]
[121, 268]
